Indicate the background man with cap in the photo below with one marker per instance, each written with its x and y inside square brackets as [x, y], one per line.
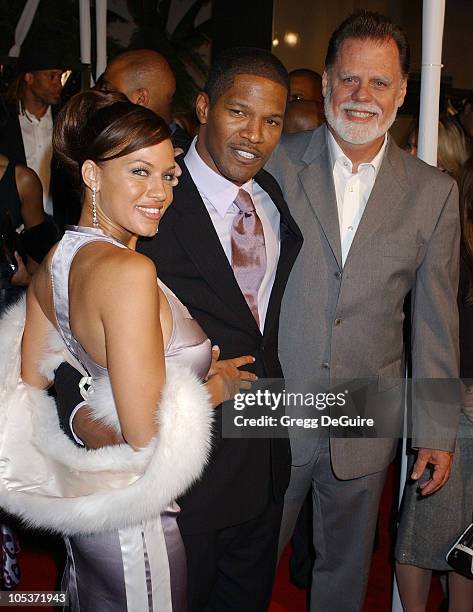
[26, 137]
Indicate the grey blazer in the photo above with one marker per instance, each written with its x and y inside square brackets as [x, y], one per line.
[348, 323]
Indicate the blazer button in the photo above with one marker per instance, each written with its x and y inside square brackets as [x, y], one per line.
[338, 275]
[337, 322]
[325, 365]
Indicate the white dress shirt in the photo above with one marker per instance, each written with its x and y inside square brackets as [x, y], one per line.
[218, 195]
[352, 189]
[37, 139]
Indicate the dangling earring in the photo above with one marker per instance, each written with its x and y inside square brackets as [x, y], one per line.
[95, 220]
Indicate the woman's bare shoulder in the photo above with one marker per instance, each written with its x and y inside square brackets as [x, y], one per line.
[27, 179]
[109, 256]
[124, 288]
[110, 266]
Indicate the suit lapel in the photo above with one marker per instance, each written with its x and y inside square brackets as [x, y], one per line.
[388, 193]
[198, 237]
[317, 181]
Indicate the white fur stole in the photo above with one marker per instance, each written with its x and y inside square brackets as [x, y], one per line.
[52, 484]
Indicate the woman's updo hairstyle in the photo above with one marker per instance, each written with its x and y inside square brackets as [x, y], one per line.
[101, 126]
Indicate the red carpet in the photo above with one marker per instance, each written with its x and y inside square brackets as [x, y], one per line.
[40, 569]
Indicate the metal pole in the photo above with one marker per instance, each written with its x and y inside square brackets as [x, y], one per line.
[23, 26]
[84, 21]
[101, 34]
[396, 605]
[432, 31]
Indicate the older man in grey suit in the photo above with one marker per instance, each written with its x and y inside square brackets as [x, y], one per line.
[377, 224]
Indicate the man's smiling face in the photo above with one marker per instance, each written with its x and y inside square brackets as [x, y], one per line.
[240, 129]
[363, 90]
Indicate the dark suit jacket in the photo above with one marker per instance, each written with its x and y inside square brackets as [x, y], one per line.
[66, 204]
[11, 141]
[243, 474]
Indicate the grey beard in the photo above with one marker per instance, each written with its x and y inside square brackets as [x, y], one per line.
[351, 133]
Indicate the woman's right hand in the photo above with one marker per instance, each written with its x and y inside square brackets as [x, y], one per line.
[225, 379]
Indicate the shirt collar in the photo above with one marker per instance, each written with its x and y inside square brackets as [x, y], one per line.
[218, 190]
[47, 118]
[336, 154]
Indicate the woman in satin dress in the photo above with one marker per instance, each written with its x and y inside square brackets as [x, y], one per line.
[122, 326]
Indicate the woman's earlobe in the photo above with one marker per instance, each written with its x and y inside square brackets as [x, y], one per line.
[90, 174]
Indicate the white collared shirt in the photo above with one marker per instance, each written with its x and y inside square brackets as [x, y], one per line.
[352, 190]
[218, 195]
[37, 139]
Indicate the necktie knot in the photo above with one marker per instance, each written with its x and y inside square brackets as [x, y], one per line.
[244, 202]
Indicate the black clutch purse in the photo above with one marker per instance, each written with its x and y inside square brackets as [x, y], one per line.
[460, 556]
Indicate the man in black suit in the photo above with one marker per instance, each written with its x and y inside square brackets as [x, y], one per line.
[230, 519]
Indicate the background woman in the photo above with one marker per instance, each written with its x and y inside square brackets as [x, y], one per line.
[21, 209]
[430, 526]
[453, 148]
